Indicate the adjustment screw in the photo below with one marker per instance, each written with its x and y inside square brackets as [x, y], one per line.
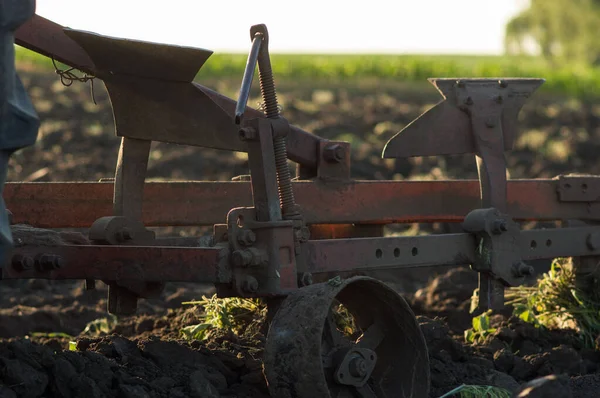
[22, 262]
[247, 134]
[334, 153]
[250, 285]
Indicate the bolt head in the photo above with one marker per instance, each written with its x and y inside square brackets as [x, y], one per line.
[22, 262]
[306, 279]
[241, 258]
[499, 226]
[334, 153]
[247, 237]
[247, 134]
[250, 285]
[358, 367]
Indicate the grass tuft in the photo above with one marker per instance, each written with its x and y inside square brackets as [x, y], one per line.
[472, 391]
[227, 314]
[556, 303]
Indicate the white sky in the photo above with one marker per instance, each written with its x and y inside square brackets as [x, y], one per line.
[317, 26]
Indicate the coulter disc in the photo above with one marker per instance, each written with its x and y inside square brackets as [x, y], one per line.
[350, 338]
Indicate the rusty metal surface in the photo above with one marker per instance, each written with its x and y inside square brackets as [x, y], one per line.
[446, 130]
[197, 110]
[79, 204]
[342, 255]
[48, 38]
[572, 188]
[306, 354]
[146, 264]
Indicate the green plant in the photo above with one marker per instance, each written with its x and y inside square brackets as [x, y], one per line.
[229, 314]
[102, 325]
[556, 303]
[470, 391]
[480, 330]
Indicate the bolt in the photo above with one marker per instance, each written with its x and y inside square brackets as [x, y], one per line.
[50, 262]
[521, 269]
[241, 258]
[503, 83]
[499, 99]
[593, 241]
[302, 234]
[499, 226]
[305, 279]
[250, 285]
[124, 234]
[334, 153]
[460, 84]
[358, 367]
[469, 101]
[247, 237]
[22, 263]
[247, 134]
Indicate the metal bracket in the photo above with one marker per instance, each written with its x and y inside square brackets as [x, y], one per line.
[498, 246]
[262, 255]
[576, 188]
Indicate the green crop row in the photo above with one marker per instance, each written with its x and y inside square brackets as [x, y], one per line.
[583, 82]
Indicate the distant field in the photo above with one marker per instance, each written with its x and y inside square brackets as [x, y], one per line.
[572, 80]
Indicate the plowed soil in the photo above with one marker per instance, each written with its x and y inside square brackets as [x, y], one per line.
[46, 351]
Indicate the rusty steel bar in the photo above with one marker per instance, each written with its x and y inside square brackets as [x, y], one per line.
[79, 204]
[345, 255]
[48, 38]
[139, 263]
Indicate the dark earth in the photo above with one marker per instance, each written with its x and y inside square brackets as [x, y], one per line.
[146, 355]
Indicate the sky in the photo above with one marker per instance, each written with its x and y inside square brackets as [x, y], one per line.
[305, 26]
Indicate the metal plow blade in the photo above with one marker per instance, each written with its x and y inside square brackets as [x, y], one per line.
[446, 128]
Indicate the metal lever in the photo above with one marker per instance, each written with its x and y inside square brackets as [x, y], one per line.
[240, 107]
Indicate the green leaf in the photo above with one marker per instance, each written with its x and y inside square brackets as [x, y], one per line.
[72, 346]
[476, 324]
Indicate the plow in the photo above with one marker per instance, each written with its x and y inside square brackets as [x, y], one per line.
[304, 241]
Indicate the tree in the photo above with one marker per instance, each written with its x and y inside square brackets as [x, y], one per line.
[559, 30]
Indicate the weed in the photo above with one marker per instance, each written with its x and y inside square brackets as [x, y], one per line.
[481, 329]
[229, 314]
[470, 391]
[102, 325]
[555, 303]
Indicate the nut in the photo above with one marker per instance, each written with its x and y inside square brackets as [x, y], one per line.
[247, 237]
[358, 367]
[124, 234]
[250, 285]
[593, 241]
[302, 234]
[305, 279]
[334, 153]
[50, 262]
[247, 134]
[22, 262]
[499, 226]
[521, 269]
[241, 258]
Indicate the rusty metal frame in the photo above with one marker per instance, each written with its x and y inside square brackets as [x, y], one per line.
[163, 103]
